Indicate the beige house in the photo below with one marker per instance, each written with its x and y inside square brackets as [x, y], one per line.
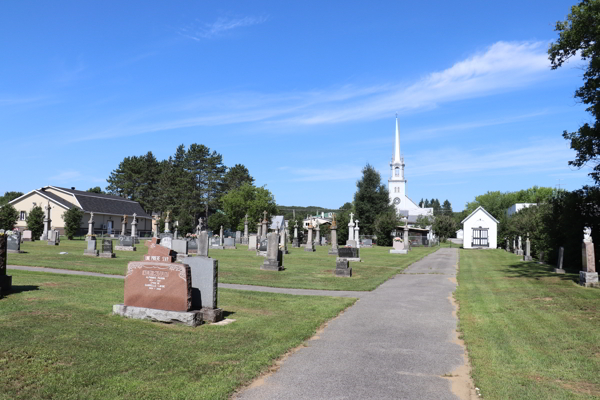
[108, 209]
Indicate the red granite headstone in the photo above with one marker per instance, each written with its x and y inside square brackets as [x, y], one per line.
[162, 286]
[159, 253]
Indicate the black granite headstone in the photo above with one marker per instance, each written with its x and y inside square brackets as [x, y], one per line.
[107, 246]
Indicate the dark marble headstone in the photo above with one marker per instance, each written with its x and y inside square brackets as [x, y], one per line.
[192, 246]
[107, 249]
[348, 252]
[5, 280]
[14, 243]
[263, 245]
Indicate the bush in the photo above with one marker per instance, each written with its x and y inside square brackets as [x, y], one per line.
[35, 222]
[8, 217]
[72, 218]
[385, 223]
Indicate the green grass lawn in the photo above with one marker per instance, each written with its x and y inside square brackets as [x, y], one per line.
[59, 340]
[531, 334]
[302, 269]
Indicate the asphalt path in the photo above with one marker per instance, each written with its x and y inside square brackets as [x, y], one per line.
[395, 343]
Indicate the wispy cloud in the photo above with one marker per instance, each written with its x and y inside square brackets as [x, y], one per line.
[503, 66]
[336, 173]
[219, 27]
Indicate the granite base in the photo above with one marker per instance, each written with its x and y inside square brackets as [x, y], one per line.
[107, 255]
[398, 251]
[229, 247]
[333, 252]
[189, 318]
[91, 253]
[527, 258]
[180, 257]
[351, 259]
[261, 253]
[212, 314]
[15, 251]
[309, 248]
[271, 265]
[588, 279]
[347, 272]
[559, 270]
[218, 247]
[5, 283]
[125, 248]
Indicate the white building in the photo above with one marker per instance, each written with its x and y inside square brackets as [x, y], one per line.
[518, 207]
[459, 234]
[480, 230]
[397, 186]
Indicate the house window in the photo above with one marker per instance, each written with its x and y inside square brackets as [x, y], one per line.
[480, 237]
[22, 215]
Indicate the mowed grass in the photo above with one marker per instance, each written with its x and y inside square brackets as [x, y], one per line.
[59, 340]
[303, 270]
[530, 334]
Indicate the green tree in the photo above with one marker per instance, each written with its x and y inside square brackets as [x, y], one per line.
[579, 35]
[447, 208]
[8, 217]
[251, 200]
[72, 218]
[35, 222]
[136, 179]
[444, 226]
[235, 177]
[96, 189]
[207, 171]
[385, 224]
[9, 196]
[216, 220]
[370, 200]
[423, 221]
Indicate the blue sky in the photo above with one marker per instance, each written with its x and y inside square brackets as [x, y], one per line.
[303, 94]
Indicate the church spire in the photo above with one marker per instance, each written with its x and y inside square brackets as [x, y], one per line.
[397, 148]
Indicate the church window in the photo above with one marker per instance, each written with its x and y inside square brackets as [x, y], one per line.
[480, 237]
[397, 171]
[23, 216]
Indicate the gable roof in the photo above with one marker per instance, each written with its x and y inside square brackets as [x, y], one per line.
[50, 196]
[482, 209]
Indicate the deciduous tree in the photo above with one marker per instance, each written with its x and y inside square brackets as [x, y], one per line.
[72, 218]
[35, 222]
[8, 217]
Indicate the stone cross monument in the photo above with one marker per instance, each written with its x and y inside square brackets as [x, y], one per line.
[245, 238]
[334, 246]
[264, 226]
[356, 235]
[317, 234]
[588, 276]
[295, 239]
[167, 220]
[527, 256]
[350, 241]
[47, 222]
[124, 226]
[90, 226]
[310, 246]
[134, 226]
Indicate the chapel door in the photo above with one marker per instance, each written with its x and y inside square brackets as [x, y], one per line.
[109, 227]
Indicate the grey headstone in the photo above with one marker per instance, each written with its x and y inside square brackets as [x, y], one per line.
[342, 268]
[180, 246]
[348, 252]
[91, 245]
[107, 246]
[13, 243]
[559, 265]
[203, 244]
[192, 245]
[126, 241]
[274, 261]
[238, 237]
[252, 242]
[166, 241]
[264, 244]
[205, 276]
[229, 242]
[367, 242]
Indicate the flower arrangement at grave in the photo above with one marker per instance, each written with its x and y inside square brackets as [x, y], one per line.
[397, 239]
[92, 236]
[191, 236]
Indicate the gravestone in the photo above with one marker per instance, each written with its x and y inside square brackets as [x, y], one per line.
[559, 265]
[334, 245]
[229, 243]
[310, 245]
[323, 241]
[205, 277]
[295, 242]
[158, 292]
[107, 249]
[252, 242]
[317, 235]
[27, 237]
[202, 243]
[274, 261]
[192, 246]
[588, 276]
[398, 247]
[47, 222]
[52, 238]
[342, 268]
[541, 258]
[91, 248]
[238, 237]
[245, 237]
[283, 241]
[527, 256]
[158, 253]
[5, 280]
[367, 243]
[13, 243]
[350, 241]
[180, 246]
[166, 239]
[215, 243]
[349, 253]
[262, 248]
[126, 243]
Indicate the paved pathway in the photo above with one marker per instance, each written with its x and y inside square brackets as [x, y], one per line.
[395, 343]
[306, 292]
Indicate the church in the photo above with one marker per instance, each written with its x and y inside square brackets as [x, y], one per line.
[397, 186]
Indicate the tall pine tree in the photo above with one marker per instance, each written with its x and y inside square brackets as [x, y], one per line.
[370, 200]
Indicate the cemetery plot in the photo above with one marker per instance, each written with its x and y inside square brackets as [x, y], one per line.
[123, 356]
[530, 333]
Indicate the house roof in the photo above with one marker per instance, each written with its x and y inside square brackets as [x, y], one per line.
[482, 209]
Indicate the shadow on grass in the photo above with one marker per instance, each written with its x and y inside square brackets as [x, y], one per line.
[533, 270]
[227, 313]
[25, 288]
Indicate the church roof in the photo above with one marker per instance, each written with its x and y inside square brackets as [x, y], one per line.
[482, 209]
[397, 147]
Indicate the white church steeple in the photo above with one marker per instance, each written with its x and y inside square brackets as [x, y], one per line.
[397, 164]
[397, 148]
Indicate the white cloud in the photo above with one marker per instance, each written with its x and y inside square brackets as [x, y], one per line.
[217, 28]
[501, 67]
[323, 174]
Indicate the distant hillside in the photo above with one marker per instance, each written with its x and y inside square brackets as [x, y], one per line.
[303, 211]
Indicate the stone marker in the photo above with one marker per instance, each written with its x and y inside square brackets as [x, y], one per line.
[126, 243]
[334, 245]
[541, 258]
[350, 241]
[90, 227]
[274, 261]
[588, 276]
[245, 237]
[53, 238]
[295, 242]
[527, 256]
[317, 234]
[262, 248]
[367, 243]
[356, 234]
[258, 229]
[205, 278]
[310, 245]
[520, 244]
[5, 280]
[180, 246]
[192, 245]
[229, 243]
[238, 236]
[47, 222]
[283, 241]
[158, 253]
[349, 253]
[215, 243]
[398, 247]
[27, 236]
[91, 248]
[13, 242]
[202, 244]
[264, 230]
[252, 242]
[559, 265]
[342, 268]
[514, 247]
[134, 228]
[166, 239]
[159, 292]
[107, 249]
